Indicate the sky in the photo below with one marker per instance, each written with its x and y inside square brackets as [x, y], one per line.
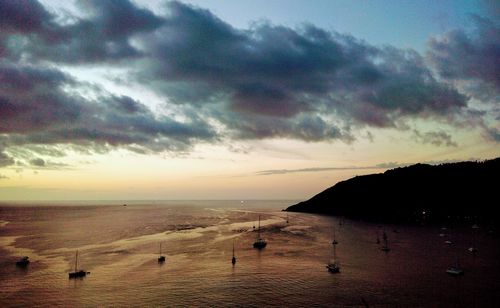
[121, 100]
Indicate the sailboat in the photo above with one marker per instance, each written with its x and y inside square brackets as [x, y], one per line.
[473, 248]
[259, 243]
[333, 266]
[334, 242]
[161, 258]
[77, 273]
[455, 269]
[233, 260]
[23, 262]
[385, 247]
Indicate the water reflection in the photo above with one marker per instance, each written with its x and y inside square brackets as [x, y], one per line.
[119, 245]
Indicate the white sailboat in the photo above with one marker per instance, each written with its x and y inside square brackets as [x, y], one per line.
[455, 269]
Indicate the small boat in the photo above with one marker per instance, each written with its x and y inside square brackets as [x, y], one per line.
[23, 262]
[77, 273]
[448, 242]
[233, 260]
[455, 269]
[385, 247]
[473, 248]
[161, 258]
[259, 243]
[333, 266]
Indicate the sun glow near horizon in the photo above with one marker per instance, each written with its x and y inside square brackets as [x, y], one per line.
[208, 100]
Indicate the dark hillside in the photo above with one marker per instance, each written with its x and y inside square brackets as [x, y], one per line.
[454, 191]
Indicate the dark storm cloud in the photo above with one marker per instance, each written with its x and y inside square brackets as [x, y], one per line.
[23, 16]
[472, 57]
[280, 72]
[37, 109]
[104, 34]
[267, 81]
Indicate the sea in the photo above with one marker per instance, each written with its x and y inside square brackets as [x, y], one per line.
[118, 244]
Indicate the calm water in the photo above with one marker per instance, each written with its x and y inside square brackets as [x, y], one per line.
[119, 246]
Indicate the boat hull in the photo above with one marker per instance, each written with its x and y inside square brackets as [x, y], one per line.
[23, 262]
[333, 269]
[77, 274]
[259, 244]
[454, 272]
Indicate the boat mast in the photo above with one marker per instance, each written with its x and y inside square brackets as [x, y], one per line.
[259, 227]
[233, 248]
[76, 261]
[160, 249]
[334, 253]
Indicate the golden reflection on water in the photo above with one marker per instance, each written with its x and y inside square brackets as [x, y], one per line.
[119, 246]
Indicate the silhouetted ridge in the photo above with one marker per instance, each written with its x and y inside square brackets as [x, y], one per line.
[453, 191]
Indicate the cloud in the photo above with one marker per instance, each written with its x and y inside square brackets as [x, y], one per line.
[472, 57]
[38, 162]
[287, 171]
[103, 34]
[438, 138]
[391, 165]
[5, 160]
[493, 134]
[267, 81]
[38, 109]
[22, 16]
[224, 83]
[387, 165]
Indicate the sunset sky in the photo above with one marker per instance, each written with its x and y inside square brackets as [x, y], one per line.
[239, 99]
